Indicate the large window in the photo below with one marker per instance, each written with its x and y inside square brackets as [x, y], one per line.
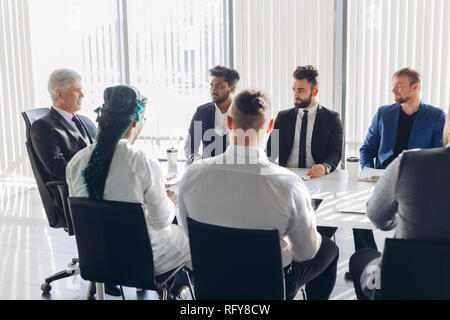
[172, 45]
[164, 48]
[82, 35]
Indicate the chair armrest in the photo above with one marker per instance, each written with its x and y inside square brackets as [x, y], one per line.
[63, 191]
[55, 183]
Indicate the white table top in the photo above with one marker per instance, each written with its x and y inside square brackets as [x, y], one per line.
[339, 193]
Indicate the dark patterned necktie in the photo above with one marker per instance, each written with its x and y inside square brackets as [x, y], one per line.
[79, 126]
[302, 153]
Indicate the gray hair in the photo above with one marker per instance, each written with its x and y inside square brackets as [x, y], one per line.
[60, 79]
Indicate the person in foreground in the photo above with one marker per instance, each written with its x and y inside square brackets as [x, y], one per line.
[412, 197]
[243, 189]
[112, 169]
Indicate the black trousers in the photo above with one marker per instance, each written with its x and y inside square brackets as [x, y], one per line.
[319, 274]
[358, 261]
[362, 238]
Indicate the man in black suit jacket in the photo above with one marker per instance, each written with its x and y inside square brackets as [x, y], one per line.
[326, 140]
[314, 141]
[209, 123]
[60, 134]
[317, 146]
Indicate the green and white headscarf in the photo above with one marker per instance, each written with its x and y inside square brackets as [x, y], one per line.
[123, 105]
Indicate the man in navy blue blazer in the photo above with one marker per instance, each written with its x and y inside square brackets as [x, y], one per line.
[407, 124]
[209, 123]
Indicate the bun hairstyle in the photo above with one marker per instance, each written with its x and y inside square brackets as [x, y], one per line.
[250, 109]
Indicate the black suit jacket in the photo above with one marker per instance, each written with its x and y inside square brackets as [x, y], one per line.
[205, 114]
[56, 142]
[326, 144]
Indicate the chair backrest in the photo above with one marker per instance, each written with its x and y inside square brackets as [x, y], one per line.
[48, 195]
[415, 269]
[237, 264]
[113, 242]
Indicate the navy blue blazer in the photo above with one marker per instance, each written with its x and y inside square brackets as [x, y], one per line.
[203, 120]
[382, 136]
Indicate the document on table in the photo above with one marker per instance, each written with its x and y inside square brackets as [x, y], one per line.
[359, 208]
[371, 175]
[172, 182]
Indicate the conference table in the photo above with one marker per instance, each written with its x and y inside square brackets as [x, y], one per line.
[344, 199]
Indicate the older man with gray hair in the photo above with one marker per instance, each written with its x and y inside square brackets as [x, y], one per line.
[60, 134]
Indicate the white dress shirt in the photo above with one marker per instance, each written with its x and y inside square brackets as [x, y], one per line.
[220, 121]
[68, 117]
[293, 158]
[253, 194]
[132, 177]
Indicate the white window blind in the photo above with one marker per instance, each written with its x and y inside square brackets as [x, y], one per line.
[272, 38]
[164, 48]
[82, 35]
[172, 45]
[16, 85]
[383, 37]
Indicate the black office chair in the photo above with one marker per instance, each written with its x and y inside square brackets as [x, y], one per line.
[236, 264]
[114, 245]
[415, 269]
[49, 192]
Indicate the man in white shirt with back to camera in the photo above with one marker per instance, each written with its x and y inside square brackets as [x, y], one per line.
[243, 189]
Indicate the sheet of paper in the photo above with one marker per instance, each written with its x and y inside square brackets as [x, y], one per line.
[356, 207]
[371, 175]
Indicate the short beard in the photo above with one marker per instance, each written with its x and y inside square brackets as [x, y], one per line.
[402, 100]
[220, 100]
[304, 104]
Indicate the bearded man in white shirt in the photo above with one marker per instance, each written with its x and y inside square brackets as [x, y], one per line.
[243, 189]
[209, 124]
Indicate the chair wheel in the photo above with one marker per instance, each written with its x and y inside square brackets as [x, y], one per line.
[45, 287]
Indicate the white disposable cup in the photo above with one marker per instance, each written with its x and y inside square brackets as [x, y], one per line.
[172, 157]
[352, 166]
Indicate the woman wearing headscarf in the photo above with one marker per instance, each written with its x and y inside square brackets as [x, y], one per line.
[112, 169]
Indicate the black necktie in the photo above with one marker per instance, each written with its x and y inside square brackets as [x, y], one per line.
[302, 153]
[79, 126]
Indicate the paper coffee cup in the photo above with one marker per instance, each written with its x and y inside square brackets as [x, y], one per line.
[172, 157]
[352, 166]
